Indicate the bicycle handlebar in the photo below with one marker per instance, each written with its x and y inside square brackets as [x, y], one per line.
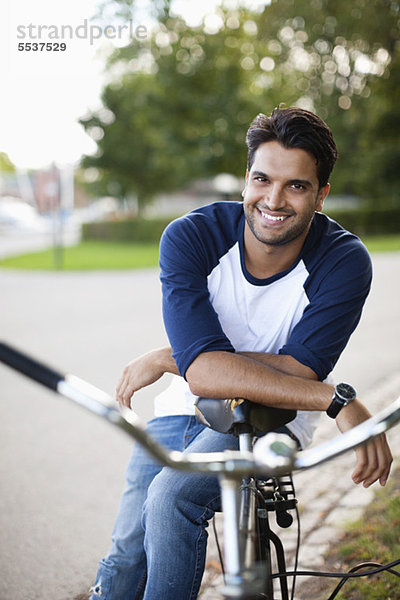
[30, 366]
[274, 454]
[98, 402]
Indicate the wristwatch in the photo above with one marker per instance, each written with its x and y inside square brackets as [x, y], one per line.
[343, 395]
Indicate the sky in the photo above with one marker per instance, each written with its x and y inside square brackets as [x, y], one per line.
[44, 92]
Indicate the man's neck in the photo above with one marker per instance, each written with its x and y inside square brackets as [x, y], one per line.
[265, 260]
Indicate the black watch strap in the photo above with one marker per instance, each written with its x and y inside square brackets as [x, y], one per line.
[343, 395]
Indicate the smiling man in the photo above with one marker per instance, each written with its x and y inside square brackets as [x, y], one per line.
[259, 300]
[279, 204]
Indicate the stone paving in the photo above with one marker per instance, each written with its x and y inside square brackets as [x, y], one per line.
[328, 499]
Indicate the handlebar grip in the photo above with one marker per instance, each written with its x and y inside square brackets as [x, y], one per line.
[29, 366]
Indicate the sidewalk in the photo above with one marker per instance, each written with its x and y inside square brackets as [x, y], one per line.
[327, 500]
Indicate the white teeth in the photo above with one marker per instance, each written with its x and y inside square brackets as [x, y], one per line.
[271, 217]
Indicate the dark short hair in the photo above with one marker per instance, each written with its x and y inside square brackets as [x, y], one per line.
[295, 128]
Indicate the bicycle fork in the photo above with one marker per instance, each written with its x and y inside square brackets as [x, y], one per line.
[246, 575]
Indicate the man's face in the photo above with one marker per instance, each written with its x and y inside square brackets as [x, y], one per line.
[281, 194]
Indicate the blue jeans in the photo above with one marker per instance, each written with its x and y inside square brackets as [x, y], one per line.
[160, 537]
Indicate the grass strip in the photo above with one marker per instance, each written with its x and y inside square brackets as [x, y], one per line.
[375, 537]
[382, 243]
[95, 255]
[88, 255]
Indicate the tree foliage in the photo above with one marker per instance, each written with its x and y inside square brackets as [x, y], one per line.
[344, 59]
[178, 106]
[6, 166]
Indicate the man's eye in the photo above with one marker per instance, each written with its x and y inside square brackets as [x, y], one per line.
[298, 186]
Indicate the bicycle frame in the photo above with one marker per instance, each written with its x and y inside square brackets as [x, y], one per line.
[272, 456]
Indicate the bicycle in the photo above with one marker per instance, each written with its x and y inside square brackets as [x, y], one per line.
[255, 480]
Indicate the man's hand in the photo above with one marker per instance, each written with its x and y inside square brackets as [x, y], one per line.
[374, 458]
[144, 371]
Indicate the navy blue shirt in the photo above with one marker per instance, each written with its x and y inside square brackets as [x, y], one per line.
[211, 302]
[198, 248]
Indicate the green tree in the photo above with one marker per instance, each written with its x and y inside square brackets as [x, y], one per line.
[342, 57]
[379, 141]
[181, 106]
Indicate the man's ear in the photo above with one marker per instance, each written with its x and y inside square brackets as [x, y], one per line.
[245, 183]
[322, 194]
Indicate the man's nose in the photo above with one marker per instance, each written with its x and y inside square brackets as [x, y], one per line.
[275, 198]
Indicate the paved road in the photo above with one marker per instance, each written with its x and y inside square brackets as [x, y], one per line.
[62, 469]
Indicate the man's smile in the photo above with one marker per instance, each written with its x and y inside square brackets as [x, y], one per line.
[270, 218]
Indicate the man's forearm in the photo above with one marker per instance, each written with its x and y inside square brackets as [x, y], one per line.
[233, 375]
[164, 358]
[265, 378]
[282, 362]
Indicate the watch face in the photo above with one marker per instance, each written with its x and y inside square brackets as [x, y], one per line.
[345, 391]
